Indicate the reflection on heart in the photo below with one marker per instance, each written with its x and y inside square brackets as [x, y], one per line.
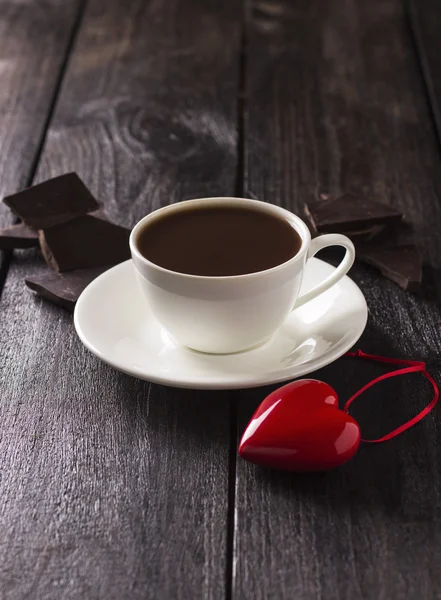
[299, 427]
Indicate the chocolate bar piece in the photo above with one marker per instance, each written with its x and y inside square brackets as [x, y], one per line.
[350, 214]
[63, 289]
[18, 236]
[83, 243]
[401, 264]
[401, 234]
[52, 202]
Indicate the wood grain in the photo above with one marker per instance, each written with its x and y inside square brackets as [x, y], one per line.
[34, 38]
[335, 102]
[425, 23]
[110, 487]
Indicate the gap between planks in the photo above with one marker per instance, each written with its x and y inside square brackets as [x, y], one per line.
[240, 191]
[423, 63]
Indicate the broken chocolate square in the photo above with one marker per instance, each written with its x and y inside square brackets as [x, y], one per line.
[400, 234]
[52, 202]
[401, 264]
[18, 236]
[350, 214]
[63, 289]
[82, 243]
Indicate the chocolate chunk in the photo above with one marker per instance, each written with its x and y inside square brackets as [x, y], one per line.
[83, 243]
[400, 234]
[350, 214]
[18, 236]
[401, 264]
[63, 289]
[366, 235]
[52, 202]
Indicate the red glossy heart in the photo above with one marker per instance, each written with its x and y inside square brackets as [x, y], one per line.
[299, 427]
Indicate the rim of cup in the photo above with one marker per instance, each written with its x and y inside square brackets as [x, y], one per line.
[297, 223]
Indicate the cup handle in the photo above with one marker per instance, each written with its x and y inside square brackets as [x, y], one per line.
[318, 243]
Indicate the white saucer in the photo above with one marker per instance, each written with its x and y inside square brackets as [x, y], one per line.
[113, 320]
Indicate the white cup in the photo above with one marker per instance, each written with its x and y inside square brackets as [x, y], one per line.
[222, 315]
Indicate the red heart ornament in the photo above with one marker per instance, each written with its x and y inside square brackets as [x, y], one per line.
[299, 427]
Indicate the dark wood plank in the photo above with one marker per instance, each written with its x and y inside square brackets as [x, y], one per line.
[112, 488]
[336, 103]
[425, 23]
[34, 39]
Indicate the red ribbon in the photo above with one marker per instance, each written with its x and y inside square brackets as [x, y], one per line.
[412, 366]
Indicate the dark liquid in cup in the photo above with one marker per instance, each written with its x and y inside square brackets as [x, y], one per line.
[218, 241]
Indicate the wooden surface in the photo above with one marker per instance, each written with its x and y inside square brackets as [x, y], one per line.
[339, 106]
[30, 71]
[425, 23]
[113, 488]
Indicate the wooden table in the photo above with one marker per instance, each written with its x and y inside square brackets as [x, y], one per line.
[111, 488]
